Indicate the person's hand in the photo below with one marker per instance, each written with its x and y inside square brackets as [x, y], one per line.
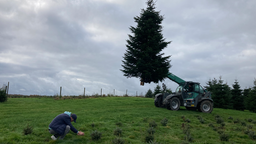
[80, 133]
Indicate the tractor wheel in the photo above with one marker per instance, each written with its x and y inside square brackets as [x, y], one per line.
[158, 102]
[206, 106]
[174, 104]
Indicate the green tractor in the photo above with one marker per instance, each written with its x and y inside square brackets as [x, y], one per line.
[189, 94]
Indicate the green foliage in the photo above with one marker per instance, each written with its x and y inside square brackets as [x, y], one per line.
[105, 112]
[252, 135]
[219, 120]
[186, 131]
[249, 120]
[27, 130]
[118, 132]
[3, 96]
[118, 123]
[157, 90]
[153, 124]
[211, 125]
[153, 142]
[149, 94]
[221, 93]
[237, 99]
[249, 126]
[231, 118]
[96, 135]
[243, 123]
[224, 137]
[250, 101]
[151, 130]
[237, 121]
[118, 141]
[149, 138]
[143, 58]
[164, 122]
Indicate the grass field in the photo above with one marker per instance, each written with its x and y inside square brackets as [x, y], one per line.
[133, 113]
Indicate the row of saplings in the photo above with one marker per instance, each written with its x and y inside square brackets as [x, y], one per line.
[149, 138]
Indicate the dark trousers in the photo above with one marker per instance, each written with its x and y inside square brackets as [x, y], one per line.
[57, 135]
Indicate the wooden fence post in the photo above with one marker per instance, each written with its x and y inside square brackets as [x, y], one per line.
[60, 91]
[84, 91]
[7, 89]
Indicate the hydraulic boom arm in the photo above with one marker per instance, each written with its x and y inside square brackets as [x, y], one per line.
[175, 78]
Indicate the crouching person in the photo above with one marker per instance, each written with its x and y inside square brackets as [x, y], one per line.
[61, 125]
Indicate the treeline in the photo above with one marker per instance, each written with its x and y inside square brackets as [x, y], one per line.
[232, 97]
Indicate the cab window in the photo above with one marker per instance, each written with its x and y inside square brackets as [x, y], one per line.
[197, 88]
[201, 89]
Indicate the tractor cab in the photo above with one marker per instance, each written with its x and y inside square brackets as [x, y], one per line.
[192, 90]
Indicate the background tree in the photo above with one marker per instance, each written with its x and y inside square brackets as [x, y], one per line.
[149, 94]
[3, 96]
[157, 90]
[221, 93]
[143, 58]
[251, 99]
[237, 99]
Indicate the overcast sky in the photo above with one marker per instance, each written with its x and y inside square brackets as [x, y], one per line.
[45, 44]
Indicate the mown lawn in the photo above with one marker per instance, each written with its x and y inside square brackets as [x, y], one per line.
[133, 113]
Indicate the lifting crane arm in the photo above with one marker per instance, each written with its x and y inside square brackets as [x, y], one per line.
[176, 79]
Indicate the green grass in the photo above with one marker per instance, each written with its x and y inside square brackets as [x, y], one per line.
[133, 113]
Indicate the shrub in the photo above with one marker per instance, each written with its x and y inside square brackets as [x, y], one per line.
[224, 137]
[238, 129]
[149, 138]
[118, 132]
[3, 96]
[188, 120]
[219, 120]
[151, 130]
[217, 116]
[246, 131]
[118, 123]
[252, 135]
[27, 130]
[210, 125]
[220, 132]
[93, 125]
[95, 135]
[164, 122]
[254, 122]
[230, 118]
[118, 141]
[200, 119]
[153, 124]
[237, 121]
[222, 124]
[186, 131]
[249, 126]
[249, 120]
[243, 123]
[182, 116]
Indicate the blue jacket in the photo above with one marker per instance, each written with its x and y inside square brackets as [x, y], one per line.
[60, 122]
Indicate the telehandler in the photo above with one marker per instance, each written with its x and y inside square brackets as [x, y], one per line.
[189, 94]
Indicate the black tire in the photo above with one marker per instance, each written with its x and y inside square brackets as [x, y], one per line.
[174, 104]
[158, 102]
[206, 106]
